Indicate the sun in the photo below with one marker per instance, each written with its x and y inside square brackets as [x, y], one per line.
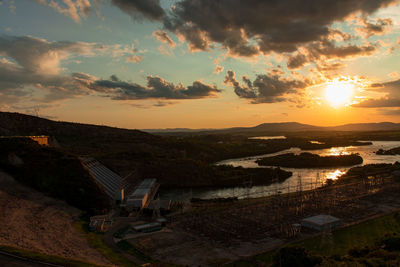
[338, 92]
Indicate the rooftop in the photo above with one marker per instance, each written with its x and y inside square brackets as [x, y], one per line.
[321, 219]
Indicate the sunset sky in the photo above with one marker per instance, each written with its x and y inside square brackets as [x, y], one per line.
[201, 63]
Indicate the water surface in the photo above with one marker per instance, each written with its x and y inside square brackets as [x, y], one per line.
[302, 179]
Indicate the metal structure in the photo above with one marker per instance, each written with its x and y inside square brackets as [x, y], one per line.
[112, 183]
[143, 194]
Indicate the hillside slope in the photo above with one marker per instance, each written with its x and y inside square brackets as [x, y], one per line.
[29, 220]
[52, 172]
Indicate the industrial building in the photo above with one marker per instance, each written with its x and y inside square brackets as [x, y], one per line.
[143, 194]
[321, 222]
[113, 184]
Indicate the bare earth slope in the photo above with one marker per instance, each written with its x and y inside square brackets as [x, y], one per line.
[32, 221]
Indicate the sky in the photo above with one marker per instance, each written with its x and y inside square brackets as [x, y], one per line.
[144, 64]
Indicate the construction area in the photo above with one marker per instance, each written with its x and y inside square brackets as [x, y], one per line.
[230, 230]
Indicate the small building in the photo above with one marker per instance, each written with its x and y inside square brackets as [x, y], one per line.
[100, 223]
[148, 227]
[321, 222]
[40, 139]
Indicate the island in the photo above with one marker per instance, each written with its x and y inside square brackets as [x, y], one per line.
[393, 151]
[309, 160]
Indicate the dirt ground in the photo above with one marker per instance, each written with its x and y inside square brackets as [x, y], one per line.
[29, 220]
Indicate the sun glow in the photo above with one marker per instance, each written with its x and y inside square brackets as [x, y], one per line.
[339, 92]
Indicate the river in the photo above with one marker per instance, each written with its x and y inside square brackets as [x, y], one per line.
[302, 179]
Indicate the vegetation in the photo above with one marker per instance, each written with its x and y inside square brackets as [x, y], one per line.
[349, 246]
[309, 160]
[128, 248]
[183, 160]
[95, 239]
[52, 172]
[393, 151]
[362, 172]
[295, 257]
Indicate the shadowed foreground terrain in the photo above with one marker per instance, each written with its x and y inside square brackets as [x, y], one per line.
[53, 172]
[29, 220]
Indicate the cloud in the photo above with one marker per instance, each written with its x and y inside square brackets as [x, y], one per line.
[379, 27]
[378, 103]
[325, 50]
[32, 63]
[247, 28]
[29, 64]
[391, 99]
[157, 88]
[266, 88]
[74, 9]
[149, 9]
[163, 36]
[134, 58]
[330, 66]
[38, 55]
[389, 112]
[218, 69]
[297, 61]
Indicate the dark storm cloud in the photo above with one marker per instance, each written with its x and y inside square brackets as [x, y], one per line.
[157, 88]
[246, 28]
[149, 9]
[329, 50]
[265, 88]
[319, 52]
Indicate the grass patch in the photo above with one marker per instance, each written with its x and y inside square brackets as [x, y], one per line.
[96, 241]
[355, 236]
[128, 248]
[121, 232]
[37, 256]
[365, 234]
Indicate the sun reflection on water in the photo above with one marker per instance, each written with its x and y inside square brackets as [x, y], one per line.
[337, 151]
[334, 175]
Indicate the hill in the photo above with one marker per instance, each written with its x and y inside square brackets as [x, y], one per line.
[174, 161]
[365, 127]
[52, 172]
[286, 127]
[22, 124]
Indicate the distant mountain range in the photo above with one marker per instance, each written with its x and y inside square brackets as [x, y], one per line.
[21, 124]
[287, 127]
